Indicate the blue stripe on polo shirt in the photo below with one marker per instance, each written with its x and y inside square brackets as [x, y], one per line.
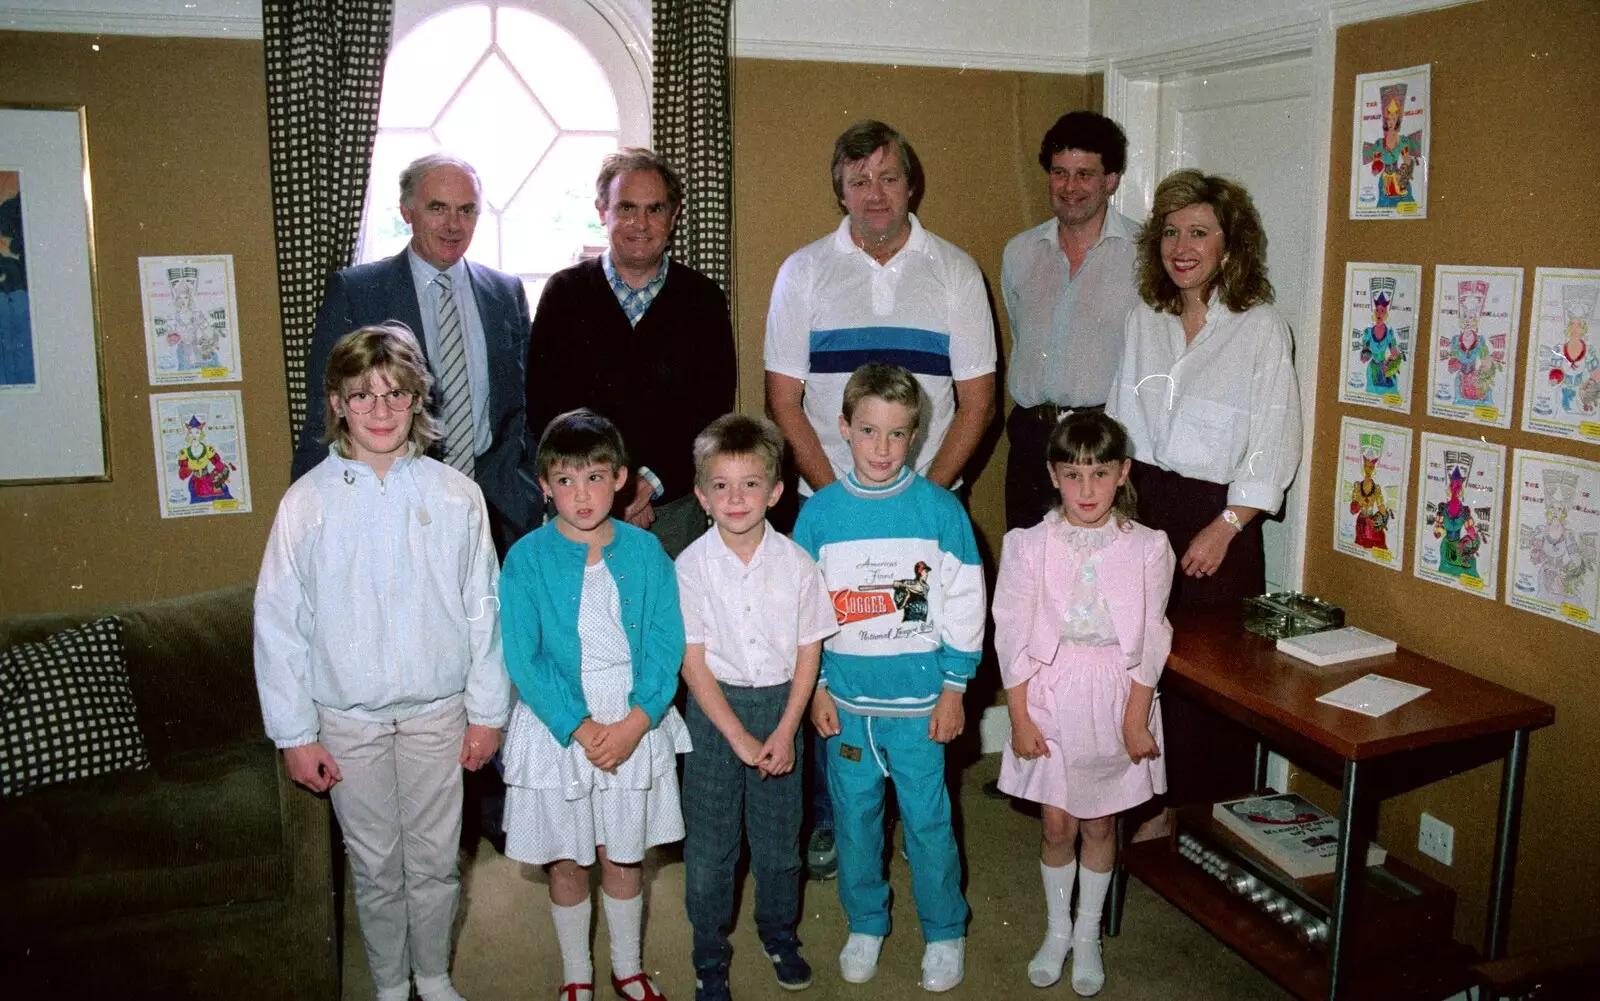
[843, 350]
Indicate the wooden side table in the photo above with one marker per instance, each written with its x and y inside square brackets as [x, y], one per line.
[1462, 722]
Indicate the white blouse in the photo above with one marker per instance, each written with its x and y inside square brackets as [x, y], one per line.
[1224, 408]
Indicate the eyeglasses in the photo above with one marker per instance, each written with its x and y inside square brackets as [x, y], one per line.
[397, 399]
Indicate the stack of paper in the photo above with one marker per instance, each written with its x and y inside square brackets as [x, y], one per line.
[1336, 646]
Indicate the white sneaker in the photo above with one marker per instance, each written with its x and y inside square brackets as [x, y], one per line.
[1088, 975]
[858, 960]
[1045, 967]
[944, 964]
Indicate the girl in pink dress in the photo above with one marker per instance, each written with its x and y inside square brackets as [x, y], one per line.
[1082, 635]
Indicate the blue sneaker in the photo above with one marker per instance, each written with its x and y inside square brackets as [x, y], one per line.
[712, 985]
[794, 973]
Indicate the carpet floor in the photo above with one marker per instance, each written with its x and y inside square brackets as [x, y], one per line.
[506, 946]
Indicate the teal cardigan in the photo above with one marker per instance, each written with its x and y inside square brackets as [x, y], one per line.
[539, 592]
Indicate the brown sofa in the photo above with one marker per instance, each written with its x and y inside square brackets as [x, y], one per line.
[208, 875]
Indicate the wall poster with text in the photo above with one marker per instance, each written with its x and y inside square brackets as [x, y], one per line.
[1369, 497]
[1476, 314]
[1562, 395]
[201, 466]
[190, 319]
[1389, 175]
[1555, 513]
[1459, 514]
[1381, 327]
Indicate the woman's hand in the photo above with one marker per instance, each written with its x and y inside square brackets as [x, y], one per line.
[1209, 548]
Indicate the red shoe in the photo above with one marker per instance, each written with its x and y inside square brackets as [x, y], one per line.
[571, 992]
[650, 991]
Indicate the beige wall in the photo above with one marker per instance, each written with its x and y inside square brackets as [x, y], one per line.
[178, 160]
[1515, 175]
[977, 134]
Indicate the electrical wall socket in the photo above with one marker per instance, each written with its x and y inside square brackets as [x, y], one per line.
[1436, 839]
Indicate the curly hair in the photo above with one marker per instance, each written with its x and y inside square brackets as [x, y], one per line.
[1241, 282]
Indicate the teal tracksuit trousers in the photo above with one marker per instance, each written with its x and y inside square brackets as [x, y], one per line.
[869, 751]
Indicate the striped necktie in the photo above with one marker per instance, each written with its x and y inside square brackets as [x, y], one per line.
[455, 392]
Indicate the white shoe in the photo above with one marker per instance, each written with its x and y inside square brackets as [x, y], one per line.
[1044, 969]
[1088, 975]
[944, 964]
[858, 960]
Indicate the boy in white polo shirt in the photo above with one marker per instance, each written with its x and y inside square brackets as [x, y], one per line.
[755, 613]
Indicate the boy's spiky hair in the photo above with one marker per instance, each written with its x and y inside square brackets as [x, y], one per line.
[739, 434]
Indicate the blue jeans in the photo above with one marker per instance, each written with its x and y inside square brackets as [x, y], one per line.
[868, 751]
[719, 793]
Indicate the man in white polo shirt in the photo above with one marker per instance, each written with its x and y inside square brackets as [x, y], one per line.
[879, 288]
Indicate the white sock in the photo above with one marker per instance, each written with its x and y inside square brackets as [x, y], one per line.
[1045, 967]
[623, 921]
[572, 934]
[1088, 974]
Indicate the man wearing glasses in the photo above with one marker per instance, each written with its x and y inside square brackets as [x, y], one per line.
[473, 324]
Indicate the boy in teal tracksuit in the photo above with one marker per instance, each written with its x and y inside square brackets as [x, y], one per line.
[901, 564]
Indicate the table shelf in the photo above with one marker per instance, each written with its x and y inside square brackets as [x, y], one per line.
[1429, 975]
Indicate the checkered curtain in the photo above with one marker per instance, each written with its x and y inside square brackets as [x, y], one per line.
[324, 77]
[693, 96]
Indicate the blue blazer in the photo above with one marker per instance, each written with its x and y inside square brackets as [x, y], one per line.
[383, 290]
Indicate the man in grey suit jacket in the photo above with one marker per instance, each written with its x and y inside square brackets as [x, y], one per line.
[439, 197]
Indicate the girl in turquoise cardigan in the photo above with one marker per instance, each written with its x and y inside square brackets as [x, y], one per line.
[593, 641]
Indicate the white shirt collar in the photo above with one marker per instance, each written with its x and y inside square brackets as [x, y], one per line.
[718, 548]
[917, 242]
[423, 273]
[1115, 226]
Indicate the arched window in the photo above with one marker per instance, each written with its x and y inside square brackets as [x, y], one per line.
[533, 93]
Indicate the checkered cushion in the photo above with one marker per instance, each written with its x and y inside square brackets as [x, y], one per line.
[66, 711]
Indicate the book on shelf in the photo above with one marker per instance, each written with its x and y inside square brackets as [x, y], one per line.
[1335, 646]
[1288, 831]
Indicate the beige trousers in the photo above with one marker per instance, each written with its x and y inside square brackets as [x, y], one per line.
[399, 806]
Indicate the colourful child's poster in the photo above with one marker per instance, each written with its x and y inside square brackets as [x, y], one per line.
[200, 456]
[1476, 314]
[190, 319]
[1459, 514]
[1369, 497]
[1562, 397]
[1380, 308]
[1555, 513]
[1389, 176]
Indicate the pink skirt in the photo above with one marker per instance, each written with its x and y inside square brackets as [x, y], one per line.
[1078, 702]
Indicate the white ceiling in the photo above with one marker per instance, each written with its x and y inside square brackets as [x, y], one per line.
[1071, 36]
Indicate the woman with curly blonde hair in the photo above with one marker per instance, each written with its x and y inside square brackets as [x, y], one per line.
[1207, 391]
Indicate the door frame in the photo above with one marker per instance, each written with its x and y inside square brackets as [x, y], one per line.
[1132, 93]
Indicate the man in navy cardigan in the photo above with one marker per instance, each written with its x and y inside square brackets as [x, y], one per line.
[439, 197]
[642, 339]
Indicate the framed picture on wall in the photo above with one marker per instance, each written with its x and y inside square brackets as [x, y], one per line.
[1392, 145]
[1381, 330]
[1460, 517]
[1369, 497]
[191, 328]
[1562, 397]
[201, 466]
[1476, 314]
[1554, 560]
[51, 394]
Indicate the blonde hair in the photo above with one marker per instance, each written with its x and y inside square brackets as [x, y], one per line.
[1241, 282]
[390, 348]
[889, 383]
[739, 434]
